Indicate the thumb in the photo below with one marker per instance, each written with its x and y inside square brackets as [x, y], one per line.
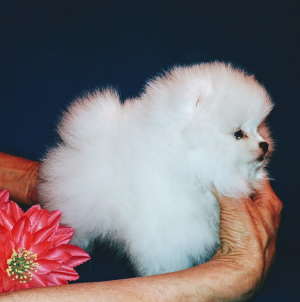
[234, 219]
[228, 203]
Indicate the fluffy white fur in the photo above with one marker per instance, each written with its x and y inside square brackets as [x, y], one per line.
[141, 173]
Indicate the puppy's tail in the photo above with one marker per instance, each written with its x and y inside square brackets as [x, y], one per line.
[90, 117]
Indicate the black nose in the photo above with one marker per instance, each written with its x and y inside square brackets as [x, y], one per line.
[264, 146]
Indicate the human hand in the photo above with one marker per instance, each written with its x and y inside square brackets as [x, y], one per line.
[19, 176]
[248, 232]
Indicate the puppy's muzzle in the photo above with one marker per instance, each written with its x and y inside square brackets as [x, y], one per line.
[264, 147]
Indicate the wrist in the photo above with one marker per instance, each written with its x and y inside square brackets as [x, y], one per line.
[235, 277]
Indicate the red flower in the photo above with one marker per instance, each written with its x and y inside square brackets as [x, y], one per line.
[34, 249]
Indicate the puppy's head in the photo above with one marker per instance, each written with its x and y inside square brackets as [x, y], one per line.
[223, 115]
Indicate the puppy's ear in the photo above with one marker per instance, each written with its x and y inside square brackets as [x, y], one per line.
[199, 89]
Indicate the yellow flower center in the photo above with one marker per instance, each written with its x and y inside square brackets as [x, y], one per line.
[21, 265]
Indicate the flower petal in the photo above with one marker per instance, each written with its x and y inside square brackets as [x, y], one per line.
[79, 256]
[3, 264]
[55, 279]
[77, 260]
[41, 249]
[15, 211]
[8, 248]
[8, 283]
[63, 235]
[4, 199]
[25, 285]
[46, 233]
[39, 281]
[54, 215]
[37, 217]
[33, 212]
[41, 221]
[4, 233]
[66, 273]
[74, 250]
[21, 226]
[58, 254]
[6, 220]
[47, 266]
[25, 241]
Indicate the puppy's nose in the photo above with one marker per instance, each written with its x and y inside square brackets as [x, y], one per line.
[264, 146]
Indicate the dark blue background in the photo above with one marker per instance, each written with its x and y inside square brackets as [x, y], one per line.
[52, 51]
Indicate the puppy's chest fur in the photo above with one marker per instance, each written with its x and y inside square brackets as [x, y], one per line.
[170, 229]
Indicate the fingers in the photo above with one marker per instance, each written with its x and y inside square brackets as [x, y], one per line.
[266, 195]
[248, 229]
[265, 198]
[30, 183]
[242, 217]
[269, 205]
[18, 176]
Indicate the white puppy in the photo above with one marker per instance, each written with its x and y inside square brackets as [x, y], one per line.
[141, 173]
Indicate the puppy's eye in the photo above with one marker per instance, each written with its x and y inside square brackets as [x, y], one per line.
[239, 134]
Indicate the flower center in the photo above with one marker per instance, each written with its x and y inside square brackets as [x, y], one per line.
[21, 265]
